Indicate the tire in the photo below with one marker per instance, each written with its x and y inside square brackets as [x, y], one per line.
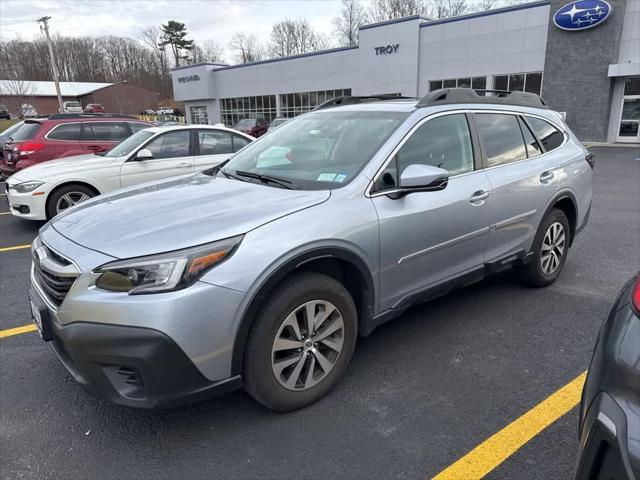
[544, 269]
[277, 387]
[61, 196]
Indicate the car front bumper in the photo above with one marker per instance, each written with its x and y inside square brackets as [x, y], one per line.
[26, 205]
[147, 351]
[610, 406]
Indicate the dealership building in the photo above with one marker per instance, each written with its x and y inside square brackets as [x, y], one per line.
[583, 57]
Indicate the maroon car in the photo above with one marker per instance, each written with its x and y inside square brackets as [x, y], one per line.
[65, 135]
[94, 108]
[252, 126]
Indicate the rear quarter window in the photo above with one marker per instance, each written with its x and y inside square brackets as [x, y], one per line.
[65, 131]
[550, 137]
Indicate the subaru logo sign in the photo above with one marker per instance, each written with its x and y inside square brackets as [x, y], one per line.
[582, 14]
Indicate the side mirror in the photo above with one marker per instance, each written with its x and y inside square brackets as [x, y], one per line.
[144, 154]
[423, 178]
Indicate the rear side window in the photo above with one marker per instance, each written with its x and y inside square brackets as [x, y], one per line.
[170, 145]
[104, 131]
[214, 142]
[26, 132]
[501, 138]
[66, 131]
[550, 137]
[239, 142]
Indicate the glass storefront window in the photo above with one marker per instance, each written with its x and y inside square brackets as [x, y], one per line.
[632, 86]
[199, 115]
[516, 83]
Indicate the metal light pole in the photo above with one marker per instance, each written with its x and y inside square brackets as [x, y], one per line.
[44, 28]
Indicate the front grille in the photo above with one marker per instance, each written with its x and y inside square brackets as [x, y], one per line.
[54, 286]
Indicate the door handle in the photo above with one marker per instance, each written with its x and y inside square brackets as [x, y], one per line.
[184, 165]
[479, 197]
[546, 177]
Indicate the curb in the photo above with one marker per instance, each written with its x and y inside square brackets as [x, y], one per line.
[606, 144]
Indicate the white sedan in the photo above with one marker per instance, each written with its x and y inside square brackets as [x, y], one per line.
[42, 191]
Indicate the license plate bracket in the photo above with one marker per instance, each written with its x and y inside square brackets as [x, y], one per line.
[40, 316]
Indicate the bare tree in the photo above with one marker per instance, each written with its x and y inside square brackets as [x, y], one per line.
[294, 37]
[347, 25]
[482, 5]
[212, 52]
[22, 92]
[246, 48]
[381, 10]
[447, 8]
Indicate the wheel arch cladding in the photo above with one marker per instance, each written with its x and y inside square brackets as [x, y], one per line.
[566, 202]
[341, 264]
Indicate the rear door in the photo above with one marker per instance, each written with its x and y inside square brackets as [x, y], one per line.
[522, 182]
[172, 155]
[100, 137]
[63, 140]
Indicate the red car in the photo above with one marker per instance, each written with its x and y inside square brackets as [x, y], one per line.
[94, 108]
[65, 135]
[252, 126]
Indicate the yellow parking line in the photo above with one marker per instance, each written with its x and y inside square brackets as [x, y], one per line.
[496, 449]
[18, 330]
[16, 247]
[5, 213]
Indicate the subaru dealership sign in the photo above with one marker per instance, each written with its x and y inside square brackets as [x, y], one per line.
[582, 14]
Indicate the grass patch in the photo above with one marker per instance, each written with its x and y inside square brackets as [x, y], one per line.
[4, 124]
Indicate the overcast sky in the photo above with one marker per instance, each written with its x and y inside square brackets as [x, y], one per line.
[205, 19]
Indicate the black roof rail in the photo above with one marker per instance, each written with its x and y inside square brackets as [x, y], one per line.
[446, 96]
[354, 100]
[62, 116]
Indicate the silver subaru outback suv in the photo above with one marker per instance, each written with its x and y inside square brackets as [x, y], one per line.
[263, 271]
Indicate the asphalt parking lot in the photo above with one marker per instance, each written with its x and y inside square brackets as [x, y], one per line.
[421, 392]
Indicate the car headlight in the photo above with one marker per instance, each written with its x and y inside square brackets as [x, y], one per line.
[26, 187]
[164, 272]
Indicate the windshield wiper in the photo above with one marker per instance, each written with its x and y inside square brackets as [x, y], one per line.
[266, 178]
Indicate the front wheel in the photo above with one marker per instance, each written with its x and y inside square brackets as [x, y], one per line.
[66, 197]
[301, 343]
[550, 248]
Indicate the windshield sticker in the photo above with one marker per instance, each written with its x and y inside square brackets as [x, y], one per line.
[326, 177]
[341, 177]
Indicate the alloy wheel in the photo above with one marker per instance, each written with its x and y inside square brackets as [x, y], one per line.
[307, 345]
[70, 199]
[553, 247]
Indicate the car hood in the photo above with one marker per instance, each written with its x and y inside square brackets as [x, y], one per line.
[179, 213]
[45, 170]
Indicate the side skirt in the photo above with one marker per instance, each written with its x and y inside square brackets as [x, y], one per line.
[431, 293]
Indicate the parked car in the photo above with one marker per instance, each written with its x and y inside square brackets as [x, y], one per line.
[45, 190]
[252, 126]
[27, 111]
[262, 271]
[610, 406]
[275, 123]
[165, 111]
[64, 135]
[94, 108]
[149, 111]
[6, 133]
[71, 107]
[4, 112]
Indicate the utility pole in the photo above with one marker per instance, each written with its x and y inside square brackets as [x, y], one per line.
[44, 28]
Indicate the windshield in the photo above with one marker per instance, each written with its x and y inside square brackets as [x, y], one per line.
[278, 121]
[318, 150]
[11, 129]
[72, 104]
[127, 146]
